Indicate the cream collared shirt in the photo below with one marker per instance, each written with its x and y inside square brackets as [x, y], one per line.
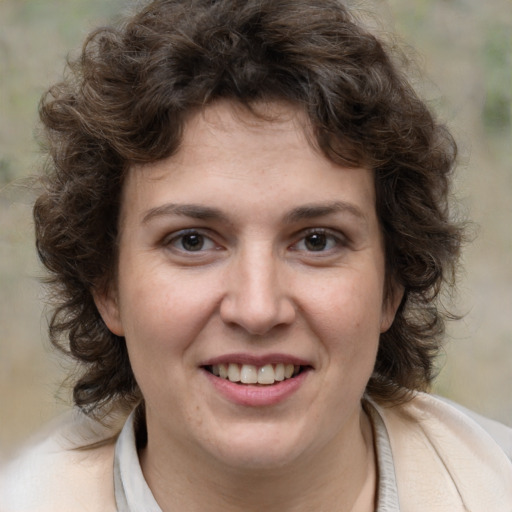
[431, 457]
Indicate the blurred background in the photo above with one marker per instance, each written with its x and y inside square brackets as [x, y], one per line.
[463, 49]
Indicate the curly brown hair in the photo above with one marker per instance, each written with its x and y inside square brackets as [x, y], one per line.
[125, 100]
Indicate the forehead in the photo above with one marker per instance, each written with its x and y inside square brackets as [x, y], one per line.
[231, 156]
[227, 127]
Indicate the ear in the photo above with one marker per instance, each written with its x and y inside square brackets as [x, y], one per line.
[107, 302]
[391, 302]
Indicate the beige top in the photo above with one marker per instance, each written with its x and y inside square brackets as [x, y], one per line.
[432, 457]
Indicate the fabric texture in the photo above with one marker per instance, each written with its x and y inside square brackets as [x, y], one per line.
[54, 475]
[432, 456]
[446, 461]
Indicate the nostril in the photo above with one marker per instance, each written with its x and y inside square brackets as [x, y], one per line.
[257, 311]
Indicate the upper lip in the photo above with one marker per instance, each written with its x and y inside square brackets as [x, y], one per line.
[256, 360]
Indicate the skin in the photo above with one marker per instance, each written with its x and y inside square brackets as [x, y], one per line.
[287, 259]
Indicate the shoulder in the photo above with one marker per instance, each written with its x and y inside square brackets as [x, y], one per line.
[501, 434]
[448, 458]
[68, 468]
[438, 417]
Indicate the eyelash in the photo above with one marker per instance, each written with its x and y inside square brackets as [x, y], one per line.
[336, 239]
[329, 237]
[180, 236]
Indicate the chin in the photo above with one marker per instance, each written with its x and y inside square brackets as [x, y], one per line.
[258, 448]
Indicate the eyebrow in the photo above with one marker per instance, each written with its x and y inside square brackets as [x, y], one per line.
[304, 212]
[185, 210]
[312, 211]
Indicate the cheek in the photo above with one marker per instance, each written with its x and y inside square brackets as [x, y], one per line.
[349, 301]
[346, 315]
[164, 311]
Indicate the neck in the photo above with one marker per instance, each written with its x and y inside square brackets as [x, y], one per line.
[339, 478]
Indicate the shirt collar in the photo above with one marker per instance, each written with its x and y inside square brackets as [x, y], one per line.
[133, 493]
[131, 490]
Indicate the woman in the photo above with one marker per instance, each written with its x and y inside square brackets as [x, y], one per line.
[247, 229]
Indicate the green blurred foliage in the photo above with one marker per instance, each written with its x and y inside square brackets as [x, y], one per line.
[497, 59]
[6, 174]
[35, 38]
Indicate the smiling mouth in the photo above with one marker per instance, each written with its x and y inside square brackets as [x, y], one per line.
[250, 374]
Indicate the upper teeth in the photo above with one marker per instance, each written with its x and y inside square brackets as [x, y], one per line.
[251, 374]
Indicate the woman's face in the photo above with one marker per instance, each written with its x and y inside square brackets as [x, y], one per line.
[248, 253]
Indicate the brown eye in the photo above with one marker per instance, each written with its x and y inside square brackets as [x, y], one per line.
[192, 242]
[319, 240]
[316, 242]
[189, 241]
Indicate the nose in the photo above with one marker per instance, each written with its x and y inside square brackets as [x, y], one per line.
[257, 297]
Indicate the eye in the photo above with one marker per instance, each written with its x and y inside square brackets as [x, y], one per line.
[191, 241]
[318, 240]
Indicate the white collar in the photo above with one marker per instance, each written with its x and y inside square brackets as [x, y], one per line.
[131, 490]
[133, 493]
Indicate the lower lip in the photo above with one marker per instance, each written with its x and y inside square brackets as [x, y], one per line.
[256, 396]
